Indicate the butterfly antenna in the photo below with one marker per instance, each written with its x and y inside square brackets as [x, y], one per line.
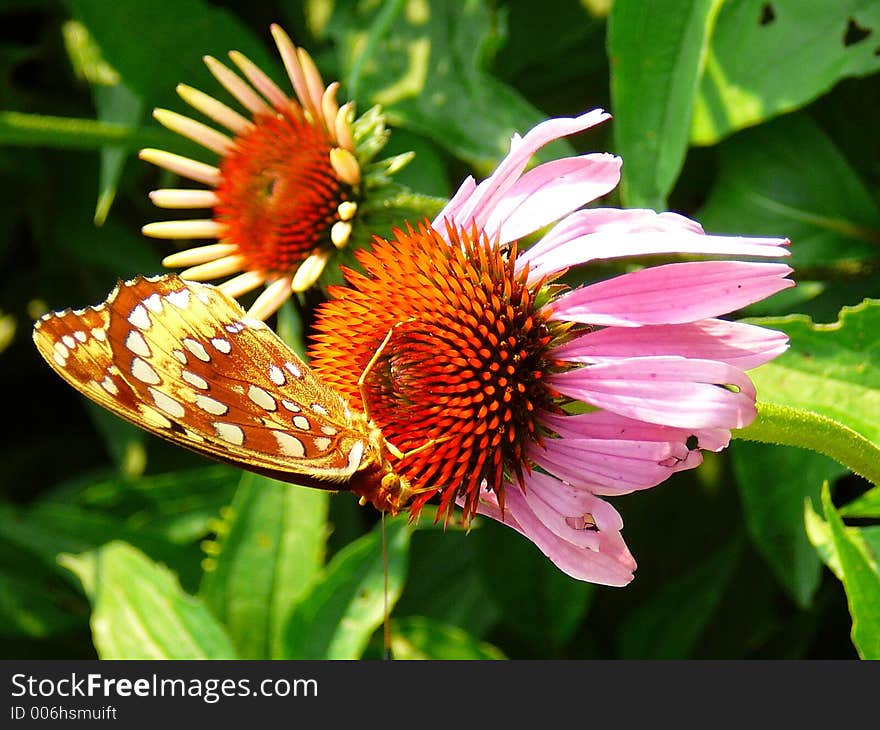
[362, 388]
[387, 624]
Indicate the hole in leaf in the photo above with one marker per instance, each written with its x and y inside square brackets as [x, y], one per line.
[855, 33]
[768, 15]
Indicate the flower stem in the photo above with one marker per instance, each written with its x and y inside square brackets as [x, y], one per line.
[789, 426]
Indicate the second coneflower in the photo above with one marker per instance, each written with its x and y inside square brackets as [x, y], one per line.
[289, 184]
[538, 400]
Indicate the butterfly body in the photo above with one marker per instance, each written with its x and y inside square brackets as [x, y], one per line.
[183, 361]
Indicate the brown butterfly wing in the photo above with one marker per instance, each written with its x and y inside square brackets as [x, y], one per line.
[182, 361]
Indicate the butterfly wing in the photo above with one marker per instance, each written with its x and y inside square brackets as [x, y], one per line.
[183, 361]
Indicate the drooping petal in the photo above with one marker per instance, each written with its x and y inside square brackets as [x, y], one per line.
[672, 294]
[480, 203]
[742, 345]
[602, 424]
[609, 466]
[609, 233]
[610, 563]
[665, 390]
[551, 191]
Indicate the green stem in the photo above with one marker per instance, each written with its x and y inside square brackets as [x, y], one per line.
[788, 426]
[38, 130]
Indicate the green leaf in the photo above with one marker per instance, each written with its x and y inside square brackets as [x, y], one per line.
[768, 186]
[48, 529]
[139, 610]
[548, 607]
[179, 506]
[767, 58]
[657, 51]
[668, 625]
[831, 375]
[425, 64]
[114, 102]
[155, 46]
[861, 580]
[271, 547]
[448, 587]
[125, 442]
[868, 505]
[416, 637]
[345, 606]
[774, 506]
[427, 172]
[34, 600]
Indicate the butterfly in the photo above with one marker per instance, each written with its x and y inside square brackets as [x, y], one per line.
[183, 361]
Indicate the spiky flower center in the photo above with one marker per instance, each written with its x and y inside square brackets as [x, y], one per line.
[465, 366]
[279, 194]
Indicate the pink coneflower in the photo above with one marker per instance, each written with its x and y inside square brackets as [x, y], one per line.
[539, 399]
[288, 187]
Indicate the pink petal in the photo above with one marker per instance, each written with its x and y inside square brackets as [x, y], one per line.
[609, 233]
[450, 211]
[603, 424]
[551, 191]
[482, 200]
[665, 390]
[742, 345]
[608, 466]
[672, 293]
[608, 563]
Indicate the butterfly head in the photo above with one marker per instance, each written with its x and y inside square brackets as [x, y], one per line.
[377, 481]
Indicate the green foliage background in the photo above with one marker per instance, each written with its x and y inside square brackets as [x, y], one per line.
[753, 117]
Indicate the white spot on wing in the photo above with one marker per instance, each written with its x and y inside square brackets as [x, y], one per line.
[221, 345]
[108, 385]
[319, 409]
[152, 416]
[137, 344]
[166, 403]
[301, 422]
[262, 398]
[99, 334]
[61, 351]
[323, 443]
[196, 348]
[355, 455]
[154, 303]
[80, 335]
[212, 406]
[69, 341]
[289, 445]
[179, 298]
[144, 372]
[294, 370]
[276, 375]
[179, 355]
[229, 432]
[329, 430]
[139, 317]
[194, 380]
[291, 406]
